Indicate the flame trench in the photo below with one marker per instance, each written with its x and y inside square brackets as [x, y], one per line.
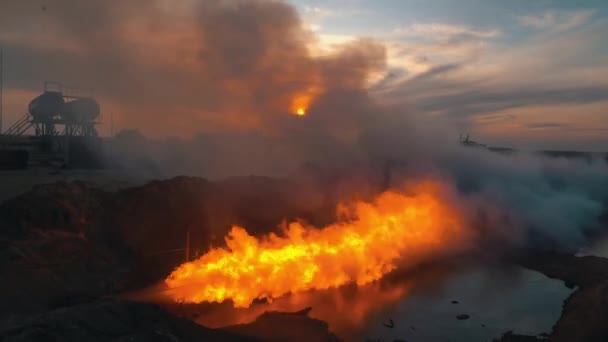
[395, 229]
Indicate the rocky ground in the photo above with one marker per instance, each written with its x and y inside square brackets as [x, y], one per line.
[108, 320]
[585, 313]
[65, 248]
[114, 320]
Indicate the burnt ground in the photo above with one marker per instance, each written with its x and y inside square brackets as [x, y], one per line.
[66, 248]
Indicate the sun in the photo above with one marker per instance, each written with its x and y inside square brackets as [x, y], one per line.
[301, 111]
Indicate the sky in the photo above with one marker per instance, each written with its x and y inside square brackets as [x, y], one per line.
[524, 74]
[529, 74]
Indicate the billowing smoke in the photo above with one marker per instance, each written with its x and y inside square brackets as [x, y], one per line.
[210, 88]
[180, 69]
[558, 201]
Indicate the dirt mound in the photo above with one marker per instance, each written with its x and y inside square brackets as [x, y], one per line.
[50, 269]
[63, 206]
[279, 326]
[52, 252]
[112, 321]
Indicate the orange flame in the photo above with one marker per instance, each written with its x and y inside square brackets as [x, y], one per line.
[302, 100]
[300, 104]
[394, 229]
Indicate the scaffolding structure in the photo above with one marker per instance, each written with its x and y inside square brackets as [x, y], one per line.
[58, 118]
[59, 122]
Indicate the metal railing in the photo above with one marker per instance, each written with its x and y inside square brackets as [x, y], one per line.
[20, 127]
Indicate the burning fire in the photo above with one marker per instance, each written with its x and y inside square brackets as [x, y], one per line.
[368, 241]
[302, 101]
[299, 105]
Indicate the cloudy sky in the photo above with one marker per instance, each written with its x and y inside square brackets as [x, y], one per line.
[520, 73]
[527, 74]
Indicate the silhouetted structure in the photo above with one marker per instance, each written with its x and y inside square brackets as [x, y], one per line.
[466, 141]
[59, 127]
